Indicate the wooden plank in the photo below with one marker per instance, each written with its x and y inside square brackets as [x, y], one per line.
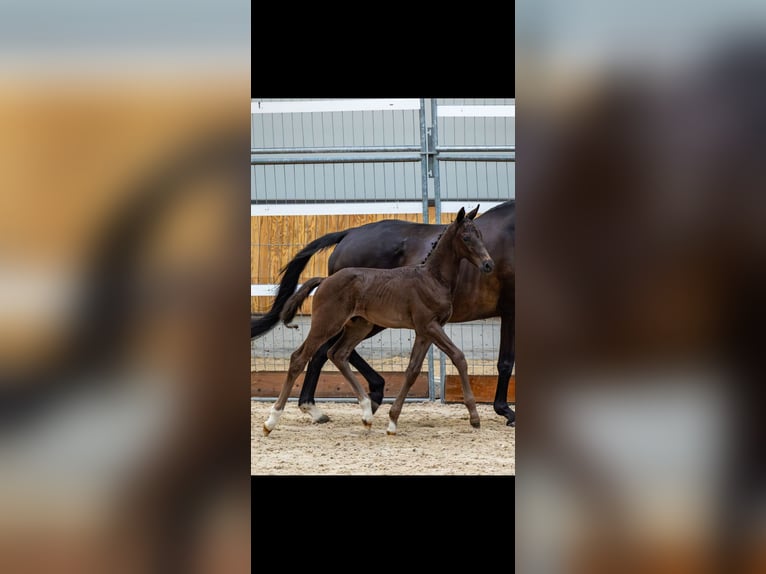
[332, 385]
[276, 239]
[483, 387]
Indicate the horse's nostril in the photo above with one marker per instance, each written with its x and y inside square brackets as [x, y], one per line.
[488, 266]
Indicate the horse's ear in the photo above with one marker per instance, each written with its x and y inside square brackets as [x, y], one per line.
[460, 215]
[472, 214]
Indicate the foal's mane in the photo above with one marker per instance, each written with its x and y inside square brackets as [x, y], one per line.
[434, 243]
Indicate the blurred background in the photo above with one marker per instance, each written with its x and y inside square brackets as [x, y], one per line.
[641, 248]
[123, 282]
[124, 258]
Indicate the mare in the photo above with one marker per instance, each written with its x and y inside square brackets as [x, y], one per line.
[392, 243]
[352, 301]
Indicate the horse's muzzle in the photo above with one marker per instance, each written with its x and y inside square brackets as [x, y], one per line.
[487, 266]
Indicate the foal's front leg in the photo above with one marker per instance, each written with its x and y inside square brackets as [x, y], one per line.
[419, 350]
[458, 359]
[353, 333]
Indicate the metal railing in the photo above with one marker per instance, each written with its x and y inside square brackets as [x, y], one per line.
[428, 152]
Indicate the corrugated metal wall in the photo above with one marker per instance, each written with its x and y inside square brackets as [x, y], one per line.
[380, 181]
[335, 182]
[476, 180]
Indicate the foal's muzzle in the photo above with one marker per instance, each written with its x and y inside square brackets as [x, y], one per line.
[487, 266]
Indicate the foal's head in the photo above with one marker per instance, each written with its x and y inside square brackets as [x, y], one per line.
[468, 242]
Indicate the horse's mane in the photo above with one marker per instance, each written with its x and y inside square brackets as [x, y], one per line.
[433, 245]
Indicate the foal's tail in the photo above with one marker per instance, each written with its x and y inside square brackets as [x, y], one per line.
[294, 303]
[290, 274]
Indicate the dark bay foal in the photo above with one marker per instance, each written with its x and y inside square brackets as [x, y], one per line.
[355, 299]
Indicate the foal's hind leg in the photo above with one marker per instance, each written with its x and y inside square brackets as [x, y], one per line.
[419, 350]
[298, 360]
[321, 330]
[306, 401]
[376, 382]
[458, 359]
[353, 333]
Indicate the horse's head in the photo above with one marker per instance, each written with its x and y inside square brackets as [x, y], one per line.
[468, 241]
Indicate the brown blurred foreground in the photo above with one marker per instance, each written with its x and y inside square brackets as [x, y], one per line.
[642, 265]
[123, 391]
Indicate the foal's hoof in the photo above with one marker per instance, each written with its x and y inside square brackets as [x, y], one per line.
[510, 423]
[367, 425]
[322, 419]
[476, 424]
[391, 433]
[266, 430]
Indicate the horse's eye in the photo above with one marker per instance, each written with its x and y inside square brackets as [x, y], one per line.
[466, 238]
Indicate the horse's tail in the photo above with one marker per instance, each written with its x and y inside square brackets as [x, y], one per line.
[296, 300]
[290, 274]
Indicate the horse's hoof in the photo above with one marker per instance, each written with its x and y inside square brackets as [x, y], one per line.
[375, 406]
[510, 423]
[323, 419]
[367, 425]
[391, 433]
[476, 424]
[266, 430]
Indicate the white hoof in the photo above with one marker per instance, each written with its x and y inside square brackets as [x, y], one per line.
[272, 421]
[391, 427]
[366, 412]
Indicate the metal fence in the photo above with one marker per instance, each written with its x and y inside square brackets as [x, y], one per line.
[341, 163]
[467, 169]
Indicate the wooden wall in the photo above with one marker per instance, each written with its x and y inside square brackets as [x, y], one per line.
[274, 241]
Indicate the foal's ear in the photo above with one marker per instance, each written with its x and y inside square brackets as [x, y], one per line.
[460, 215]
[472, 214]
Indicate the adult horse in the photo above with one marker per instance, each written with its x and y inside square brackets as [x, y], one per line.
[392, 243]
[350, 302]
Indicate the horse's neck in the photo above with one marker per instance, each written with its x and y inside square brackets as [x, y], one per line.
[443, 263]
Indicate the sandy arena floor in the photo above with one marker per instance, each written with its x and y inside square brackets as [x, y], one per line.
[432, 439]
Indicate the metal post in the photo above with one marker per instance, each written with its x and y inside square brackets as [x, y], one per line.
[435, 140]
[424, 190]
[424, 159]
[438, 209]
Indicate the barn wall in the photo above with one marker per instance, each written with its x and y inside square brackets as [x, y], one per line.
[276, 239]
[295, 203]
[379, 182]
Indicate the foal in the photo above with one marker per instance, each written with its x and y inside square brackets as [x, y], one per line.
[355, 299]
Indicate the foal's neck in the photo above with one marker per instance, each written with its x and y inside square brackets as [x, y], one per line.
[443, 263]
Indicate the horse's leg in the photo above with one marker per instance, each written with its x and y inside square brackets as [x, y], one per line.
[505, 361]
[419, 350]
[298, 360]
[376, 382]
[306, 401]
[320, 332]
[458, 359]
[353, 333]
